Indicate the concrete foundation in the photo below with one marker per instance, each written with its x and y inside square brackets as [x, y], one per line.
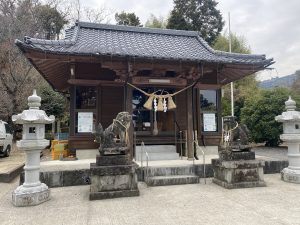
[238, 174]
[86, 153]
[113, 176]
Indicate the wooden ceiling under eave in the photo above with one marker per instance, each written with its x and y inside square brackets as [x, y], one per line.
[55, 72]
[234, 72]
[55, 68]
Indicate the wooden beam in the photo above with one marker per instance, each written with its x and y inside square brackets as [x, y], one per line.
[81, 82]
[208, 86]
[165, 81]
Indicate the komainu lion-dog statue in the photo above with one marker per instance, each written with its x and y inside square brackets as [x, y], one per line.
[114, 139]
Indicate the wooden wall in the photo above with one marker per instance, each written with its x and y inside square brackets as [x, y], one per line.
[111, 103]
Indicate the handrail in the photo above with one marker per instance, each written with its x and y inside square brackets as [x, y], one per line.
[180, 137]
[147, 165]
[203, 155]
[134, 145]
[177, 125]
[142, 152]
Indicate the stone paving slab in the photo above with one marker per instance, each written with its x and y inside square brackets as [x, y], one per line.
[11, 166]
[57, 165]
[276, 204]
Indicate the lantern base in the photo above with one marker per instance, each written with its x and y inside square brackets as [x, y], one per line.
[290, 175]
[29, 196]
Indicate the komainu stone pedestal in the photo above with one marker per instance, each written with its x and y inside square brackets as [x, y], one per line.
[113, 176]
[238, 173]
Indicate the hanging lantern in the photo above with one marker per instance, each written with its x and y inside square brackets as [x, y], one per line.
[160, 106]
[148, 103]
[171, 104]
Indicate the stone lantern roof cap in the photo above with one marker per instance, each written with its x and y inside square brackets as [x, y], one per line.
[33, 114]
[290, 104]
[291, 114]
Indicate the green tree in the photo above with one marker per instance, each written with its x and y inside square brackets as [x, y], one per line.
[242, 88]
[53, 103]
[17, 76]
[259, 114]
[156, 22]
[238, 43]
[50, 20]
[198, 15]
[129, 19]
[296, 83]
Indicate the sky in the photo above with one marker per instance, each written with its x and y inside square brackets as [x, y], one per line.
[269, 27]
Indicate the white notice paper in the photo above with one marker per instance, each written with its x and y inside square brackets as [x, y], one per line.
[209, 122]
[85, 122]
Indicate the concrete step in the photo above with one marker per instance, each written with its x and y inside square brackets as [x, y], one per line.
[157, 152]
[9, 170]
[157, 148]
[158, 156]
[168, 171]
[172, 180]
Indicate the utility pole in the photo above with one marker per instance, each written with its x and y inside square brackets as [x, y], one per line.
[231, 83]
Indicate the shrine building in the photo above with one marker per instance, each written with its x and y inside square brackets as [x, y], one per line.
[104, 69]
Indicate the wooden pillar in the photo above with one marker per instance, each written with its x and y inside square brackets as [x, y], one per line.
[189, 122]
[128, 108]
[72, 110]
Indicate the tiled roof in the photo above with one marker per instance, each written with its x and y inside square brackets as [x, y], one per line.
[113, 40]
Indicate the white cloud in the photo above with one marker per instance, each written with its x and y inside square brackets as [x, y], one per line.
[270, 27]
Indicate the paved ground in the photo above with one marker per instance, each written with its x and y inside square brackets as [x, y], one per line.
[278, 203]
[15, 159]
[279, 153]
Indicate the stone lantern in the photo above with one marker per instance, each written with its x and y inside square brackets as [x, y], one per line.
[291, 136]
[32, 192]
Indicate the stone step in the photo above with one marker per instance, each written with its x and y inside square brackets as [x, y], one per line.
[157, 152]
[172, 180]
[158, 156]
[168, 171]
[157, 148]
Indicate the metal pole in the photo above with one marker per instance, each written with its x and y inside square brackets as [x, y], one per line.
[134, 143]
[180, 138]
[142, 153]
[185, 142]
[231, 84]
[175, 136]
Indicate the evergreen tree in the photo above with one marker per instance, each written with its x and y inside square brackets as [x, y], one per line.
[156, 22]
[242, 88]
[296, 83]
[53, 103]
[198, 15]
[259, 114]
[129, 19]
[51, 20]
